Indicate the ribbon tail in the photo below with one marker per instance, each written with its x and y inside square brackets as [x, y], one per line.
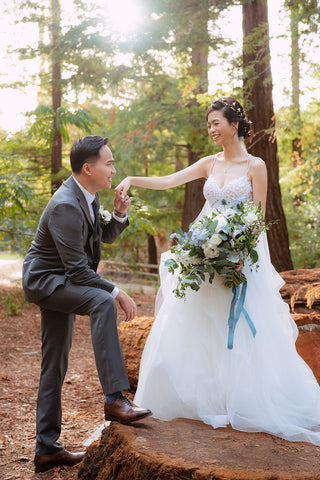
[249, 322]
[232, 320]
[235, 315]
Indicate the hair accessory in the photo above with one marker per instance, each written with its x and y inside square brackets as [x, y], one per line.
[233, 106]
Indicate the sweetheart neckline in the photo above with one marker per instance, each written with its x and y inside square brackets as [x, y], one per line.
[229, 183]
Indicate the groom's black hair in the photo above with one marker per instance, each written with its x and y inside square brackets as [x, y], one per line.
[86, 149]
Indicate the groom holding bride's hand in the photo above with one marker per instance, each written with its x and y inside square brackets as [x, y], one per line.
[59, 275]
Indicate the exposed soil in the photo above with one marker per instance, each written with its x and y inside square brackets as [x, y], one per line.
[20, 353]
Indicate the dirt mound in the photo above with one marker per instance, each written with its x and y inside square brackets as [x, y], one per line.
[133, 336]
[187, 449]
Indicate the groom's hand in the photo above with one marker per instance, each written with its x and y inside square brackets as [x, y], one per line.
[121, 202]
[127, 304]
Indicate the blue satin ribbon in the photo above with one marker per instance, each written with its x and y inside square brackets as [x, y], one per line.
[239, 293]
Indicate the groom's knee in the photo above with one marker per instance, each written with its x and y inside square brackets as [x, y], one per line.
[105, 303]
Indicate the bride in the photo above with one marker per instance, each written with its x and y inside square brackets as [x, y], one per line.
[262, 384]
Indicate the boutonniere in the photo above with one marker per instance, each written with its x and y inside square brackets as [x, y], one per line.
[104, 216]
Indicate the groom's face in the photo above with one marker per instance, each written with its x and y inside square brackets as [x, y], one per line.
[102, 171]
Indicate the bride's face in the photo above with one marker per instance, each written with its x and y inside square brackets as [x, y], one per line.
[220, 129]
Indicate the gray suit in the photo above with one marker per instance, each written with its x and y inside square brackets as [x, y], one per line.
[59, 274]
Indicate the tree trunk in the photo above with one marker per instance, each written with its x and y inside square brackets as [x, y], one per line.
[152, 253]
[56, 151]
[295, 85]
[259, 103]
[194, 199]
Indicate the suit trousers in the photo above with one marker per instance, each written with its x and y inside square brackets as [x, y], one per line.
[57, 320]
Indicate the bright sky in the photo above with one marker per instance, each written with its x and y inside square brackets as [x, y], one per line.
[125, 16]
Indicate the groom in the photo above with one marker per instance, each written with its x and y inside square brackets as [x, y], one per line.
[59, 275]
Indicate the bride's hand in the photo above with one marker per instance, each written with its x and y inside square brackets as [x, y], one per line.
[123, 186]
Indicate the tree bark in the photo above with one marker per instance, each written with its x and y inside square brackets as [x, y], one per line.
[259, 104]
[194, 199]
[56, 151]
[152, 253]
[295, 85]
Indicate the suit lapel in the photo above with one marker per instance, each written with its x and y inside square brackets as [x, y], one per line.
[95, 236]
[82, 201]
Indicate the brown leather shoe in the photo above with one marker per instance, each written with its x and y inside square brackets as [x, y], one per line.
[124, 411]
[62, 457]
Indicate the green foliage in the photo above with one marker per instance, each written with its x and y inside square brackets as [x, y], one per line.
[145, 220]
[13, 305]
[153, 112]
[307, 12]
[46, 119]
[15, 190]
[300, 186]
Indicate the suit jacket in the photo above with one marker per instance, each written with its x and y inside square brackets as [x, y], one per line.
[66, 245]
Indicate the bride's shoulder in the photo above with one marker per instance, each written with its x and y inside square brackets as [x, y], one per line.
[256, 164]
[208, 158]
[207, 163]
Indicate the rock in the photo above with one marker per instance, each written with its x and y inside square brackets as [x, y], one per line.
[188, 449]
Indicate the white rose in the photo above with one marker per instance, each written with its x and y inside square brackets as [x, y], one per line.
[222, 222]
[210, 252]
[250, 218]
[214, 240]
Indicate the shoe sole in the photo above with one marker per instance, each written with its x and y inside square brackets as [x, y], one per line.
[45, 468]
[111, 418]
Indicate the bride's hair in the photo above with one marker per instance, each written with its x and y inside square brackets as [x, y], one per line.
[233, 111]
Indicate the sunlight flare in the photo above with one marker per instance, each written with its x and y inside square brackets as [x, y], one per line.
[124, 15]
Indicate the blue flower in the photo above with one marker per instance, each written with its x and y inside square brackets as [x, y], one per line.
[224, 201]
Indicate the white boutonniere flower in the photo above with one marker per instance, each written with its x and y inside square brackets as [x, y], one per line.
[104, 216]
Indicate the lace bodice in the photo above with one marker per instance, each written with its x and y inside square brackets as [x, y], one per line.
[239, 189]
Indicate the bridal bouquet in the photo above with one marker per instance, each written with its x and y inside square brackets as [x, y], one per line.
[220, 244]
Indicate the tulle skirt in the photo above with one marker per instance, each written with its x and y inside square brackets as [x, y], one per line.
[261, 385]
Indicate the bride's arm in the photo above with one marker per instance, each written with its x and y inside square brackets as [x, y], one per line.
[258, 171]
[197, 170]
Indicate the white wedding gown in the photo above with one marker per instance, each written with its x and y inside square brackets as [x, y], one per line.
[262, 384]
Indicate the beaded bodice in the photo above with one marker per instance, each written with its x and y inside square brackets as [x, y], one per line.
[239, 189]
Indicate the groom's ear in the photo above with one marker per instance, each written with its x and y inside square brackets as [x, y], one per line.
[86, 168]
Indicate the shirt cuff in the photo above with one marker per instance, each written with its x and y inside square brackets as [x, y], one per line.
[115, 292]
[119, 219]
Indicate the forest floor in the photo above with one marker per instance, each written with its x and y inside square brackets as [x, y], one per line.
[20, 356]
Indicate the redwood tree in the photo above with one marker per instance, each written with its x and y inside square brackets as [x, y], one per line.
[56, 151]
[199, 50]
[259, 104]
